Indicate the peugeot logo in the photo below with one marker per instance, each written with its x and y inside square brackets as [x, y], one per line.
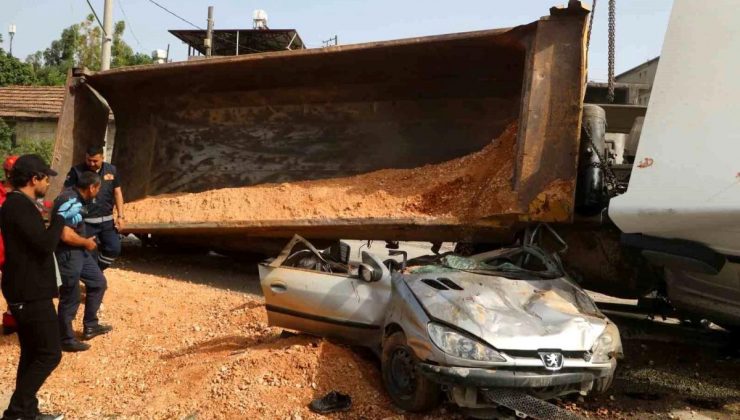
[552, 360]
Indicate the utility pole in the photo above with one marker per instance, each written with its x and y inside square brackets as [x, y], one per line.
[11, 32]
[209, 33]
[105, 56]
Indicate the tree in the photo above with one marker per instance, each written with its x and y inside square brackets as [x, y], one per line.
[13, 71]
[91, 42]
[121, 53]
[80, 46]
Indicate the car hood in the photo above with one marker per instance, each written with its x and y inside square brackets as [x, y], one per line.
[512, 314]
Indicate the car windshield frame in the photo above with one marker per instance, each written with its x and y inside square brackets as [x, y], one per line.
[478, 264]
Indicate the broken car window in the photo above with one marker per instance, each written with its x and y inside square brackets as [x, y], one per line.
[525, 262]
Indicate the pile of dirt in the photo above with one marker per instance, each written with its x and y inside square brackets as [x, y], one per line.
[472, 187]
[182, 350]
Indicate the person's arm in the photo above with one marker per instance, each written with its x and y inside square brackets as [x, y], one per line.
[71, 179]
[70, 237]
[118, 195]
[25, 217]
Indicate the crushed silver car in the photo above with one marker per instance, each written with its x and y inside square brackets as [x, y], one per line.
[449, 324]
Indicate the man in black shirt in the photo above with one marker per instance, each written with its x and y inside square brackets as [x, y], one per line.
[77, 263]
[30, 281]
[99, 219]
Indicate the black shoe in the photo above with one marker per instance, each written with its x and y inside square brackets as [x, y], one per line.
[50, 417]
[92, 332]
[74, 346]
[331, 402]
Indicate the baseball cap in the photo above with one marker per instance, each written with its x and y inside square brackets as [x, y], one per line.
[9, 162]
[31, 165]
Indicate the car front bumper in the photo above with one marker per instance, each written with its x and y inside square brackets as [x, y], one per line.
[500, 378]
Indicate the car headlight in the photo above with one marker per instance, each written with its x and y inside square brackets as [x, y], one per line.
[608, 345]
[458, 345]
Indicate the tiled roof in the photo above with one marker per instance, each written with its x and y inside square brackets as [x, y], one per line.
[31, 101]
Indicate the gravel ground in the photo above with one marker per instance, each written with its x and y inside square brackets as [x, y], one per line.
[191, 341]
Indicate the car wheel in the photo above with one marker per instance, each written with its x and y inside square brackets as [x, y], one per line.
[407, 388]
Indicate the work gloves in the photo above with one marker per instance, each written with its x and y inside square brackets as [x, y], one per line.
[70, 211]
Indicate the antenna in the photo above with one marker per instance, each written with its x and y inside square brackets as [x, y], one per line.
[331, 41]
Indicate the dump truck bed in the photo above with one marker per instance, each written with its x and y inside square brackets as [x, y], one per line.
[280, 123]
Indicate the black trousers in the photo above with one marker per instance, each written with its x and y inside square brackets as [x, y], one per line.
[41, 352]
[74, 266]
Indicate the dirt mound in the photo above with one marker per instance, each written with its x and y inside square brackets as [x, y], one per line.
[471, 187]
[182, 350]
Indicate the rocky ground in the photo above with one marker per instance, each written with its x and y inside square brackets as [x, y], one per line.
[191, 341]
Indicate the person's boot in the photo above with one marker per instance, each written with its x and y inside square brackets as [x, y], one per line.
[74, 346]
[91, 332]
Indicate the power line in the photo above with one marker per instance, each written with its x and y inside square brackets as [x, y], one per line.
[128, 22]
[173, 14]
[97, 18]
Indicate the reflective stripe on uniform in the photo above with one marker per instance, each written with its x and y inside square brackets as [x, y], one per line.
[96, 220]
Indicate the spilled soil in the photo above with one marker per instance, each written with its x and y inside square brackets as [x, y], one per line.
[475, 186]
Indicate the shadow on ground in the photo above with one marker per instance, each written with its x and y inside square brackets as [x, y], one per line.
[671, 370]
[230, 273]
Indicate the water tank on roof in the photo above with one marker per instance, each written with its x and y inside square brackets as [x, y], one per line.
[259, 18]
[159, 56]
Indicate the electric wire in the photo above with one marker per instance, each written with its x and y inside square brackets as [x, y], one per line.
[128, 23]
[97, 18]
[175, 15]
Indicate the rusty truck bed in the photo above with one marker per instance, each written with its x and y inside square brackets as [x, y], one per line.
[336, 112]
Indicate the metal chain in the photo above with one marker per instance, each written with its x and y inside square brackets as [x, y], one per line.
[612, 30]
[590, 25]
[613, 187]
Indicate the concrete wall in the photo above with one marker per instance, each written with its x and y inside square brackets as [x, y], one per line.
[36, 130]
[45, 129]
[644, 74]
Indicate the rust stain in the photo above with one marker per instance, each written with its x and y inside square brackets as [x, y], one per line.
[645, 163]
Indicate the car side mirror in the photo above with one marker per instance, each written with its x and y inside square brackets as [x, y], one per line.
[372, 269]
[369, 274]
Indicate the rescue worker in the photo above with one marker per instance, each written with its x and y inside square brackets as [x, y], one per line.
[30, 281]
[99, 220]
[76, 262]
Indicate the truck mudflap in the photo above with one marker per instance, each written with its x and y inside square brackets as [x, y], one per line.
[526, 405]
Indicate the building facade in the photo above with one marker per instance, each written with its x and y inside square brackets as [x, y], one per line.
[33, 112]
[643, 75]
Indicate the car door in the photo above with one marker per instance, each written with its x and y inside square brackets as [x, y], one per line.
[335, 305]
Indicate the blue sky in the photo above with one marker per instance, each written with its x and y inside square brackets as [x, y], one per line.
[641, 24]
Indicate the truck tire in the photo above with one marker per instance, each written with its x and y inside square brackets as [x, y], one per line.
[407, 388]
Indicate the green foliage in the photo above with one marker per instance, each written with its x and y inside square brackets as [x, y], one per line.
[13, 71]
[6, 138]
[63, 51]
[91, 42]
[121, 53]
[78, 46]
[43, 148]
